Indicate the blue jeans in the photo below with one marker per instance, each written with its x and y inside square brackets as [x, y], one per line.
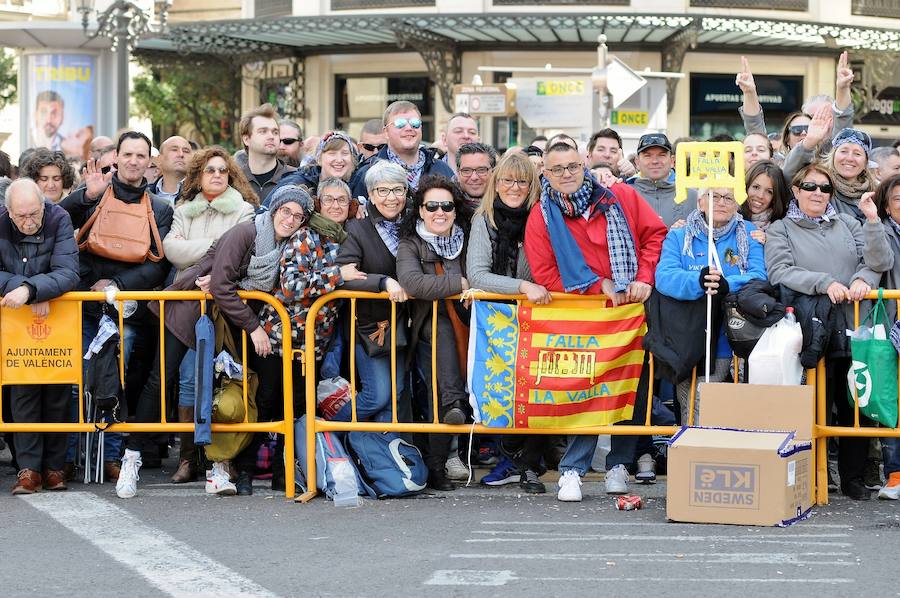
[112, 441]
[890, 455]
[581, 447]
[373, 402]
[187, 378]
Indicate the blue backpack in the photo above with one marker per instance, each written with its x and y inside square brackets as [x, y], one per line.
[390, 466]
[329, 450]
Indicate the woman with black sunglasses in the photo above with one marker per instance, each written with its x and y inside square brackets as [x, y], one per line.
[431, 265]
[817, 251]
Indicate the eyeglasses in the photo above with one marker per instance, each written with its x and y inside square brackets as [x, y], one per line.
[572, 168]
[799, 129]
[826, 188]
[286, 213]
[374, 148]
[34, 216]
[105, 169]
[400, 123]
[480, 171]
[330, 200]
[434, 206]
[510, 182]
[723, 199]
[289, 140]
[383, 192]
[215, 169]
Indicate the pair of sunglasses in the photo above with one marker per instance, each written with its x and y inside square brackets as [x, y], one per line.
[289, 140]
[799, 129]
[810, 186]
[401, 123]
[373, 148]
[434, 206]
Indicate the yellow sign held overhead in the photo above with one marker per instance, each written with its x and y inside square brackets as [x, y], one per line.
[707, 164]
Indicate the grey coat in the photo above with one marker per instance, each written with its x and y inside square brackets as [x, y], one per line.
[480, 262]
[661, 197]
[807, 257]
[891, 278]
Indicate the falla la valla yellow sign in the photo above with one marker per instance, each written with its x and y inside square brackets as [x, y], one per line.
[38, 350]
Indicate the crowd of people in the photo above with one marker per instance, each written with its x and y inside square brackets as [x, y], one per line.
[300, 217]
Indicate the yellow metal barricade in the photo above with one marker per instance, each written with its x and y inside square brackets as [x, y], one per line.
[824, 431]
[315, 425]
[9, 335]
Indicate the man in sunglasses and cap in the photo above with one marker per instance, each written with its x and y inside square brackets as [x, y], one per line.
[655, 180]
[402, 125]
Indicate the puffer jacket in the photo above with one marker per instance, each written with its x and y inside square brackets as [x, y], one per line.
[199, 223]
[46, 262]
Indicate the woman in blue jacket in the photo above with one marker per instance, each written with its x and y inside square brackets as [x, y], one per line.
[684, 273]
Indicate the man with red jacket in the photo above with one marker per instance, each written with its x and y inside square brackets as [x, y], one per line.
[585, 238]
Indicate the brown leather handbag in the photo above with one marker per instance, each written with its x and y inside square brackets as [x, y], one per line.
[121, 231]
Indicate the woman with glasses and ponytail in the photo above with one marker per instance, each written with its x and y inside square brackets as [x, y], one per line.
[431, 263]
[496, 263]
[817, 251]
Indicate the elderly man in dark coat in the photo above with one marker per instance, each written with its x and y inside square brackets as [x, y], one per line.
[38, 262]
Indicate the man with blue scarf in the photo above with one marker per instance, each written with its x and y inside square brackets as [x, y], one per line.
[584, 238]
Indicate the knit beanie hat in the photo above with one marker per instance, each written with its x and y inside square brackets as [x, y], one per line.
[331, 136]
[291, 193]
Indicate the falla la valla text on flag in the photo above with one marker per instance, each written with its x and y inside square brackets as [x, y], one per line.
[570, 364]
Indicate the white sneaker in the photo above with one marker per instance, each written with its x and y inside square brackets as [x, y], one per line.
[646, 469]
[891, 489]
[126, 485]
[456, 469]
[617, 480]
[569, 487]
[218, 482]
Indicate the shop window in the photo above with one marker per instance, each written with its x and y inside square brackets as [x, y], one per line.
[360, 98]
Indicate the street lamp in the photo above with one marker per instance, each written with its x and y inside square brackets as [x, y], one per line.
[125, 23]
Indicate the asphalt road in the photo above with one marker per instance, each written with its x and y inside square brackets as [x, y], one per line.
[176, 541]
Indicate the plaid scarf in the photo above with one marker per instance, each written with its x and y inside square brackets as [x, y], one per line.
[696, 227]
[576, 275]
[796, 214]
[389, 231]
[414, 172]
[448, 247]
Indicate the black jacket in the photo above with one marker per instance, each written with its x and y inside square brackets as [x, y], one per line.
[126, 276]
[47, 261]
[823, 324]
[365, 248]
[676, 334]
[433, 165]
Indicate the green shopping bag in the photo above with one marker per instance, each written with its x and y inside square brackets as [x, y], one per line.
[873, 371]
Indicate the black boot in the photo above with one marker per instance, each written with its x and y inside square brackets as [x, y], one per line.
[437, 480]
[244, 484]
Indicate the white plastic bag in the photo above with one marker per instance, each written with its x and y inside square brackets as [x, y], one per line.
[331, 395]
[776, 357]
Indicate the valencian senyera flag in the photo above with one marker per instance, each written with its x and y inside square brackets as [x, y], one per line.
[571, 364]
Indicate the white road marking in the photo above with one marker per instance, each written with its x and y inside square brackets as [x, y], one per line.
[446, 577]
[668, 524]
[463, 577]
[167, 563]
[756, 558]
[790, 540]
[575, 534]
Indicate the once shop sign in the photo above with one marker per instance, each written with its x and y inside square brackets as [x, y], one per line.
[39, 350]
[564, 102]
[632, 118]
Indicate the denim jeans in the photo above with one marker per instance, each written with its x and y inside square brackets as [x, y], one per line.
[890, 455]
[112, 441]
[373, 402]
[581, 447]
[186, 379]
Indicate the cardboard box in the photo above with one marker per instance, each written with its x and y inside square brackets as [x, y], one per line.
[751, 463]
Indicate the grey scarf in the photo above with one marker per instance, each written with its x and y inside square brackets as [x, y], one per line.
[262, 273]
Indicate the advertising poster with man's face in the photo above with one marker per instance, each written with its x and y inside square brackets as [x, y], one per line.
[61, 102]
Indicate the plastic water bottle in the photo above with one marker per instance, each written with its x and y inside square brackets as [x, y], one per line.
[346, 493]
